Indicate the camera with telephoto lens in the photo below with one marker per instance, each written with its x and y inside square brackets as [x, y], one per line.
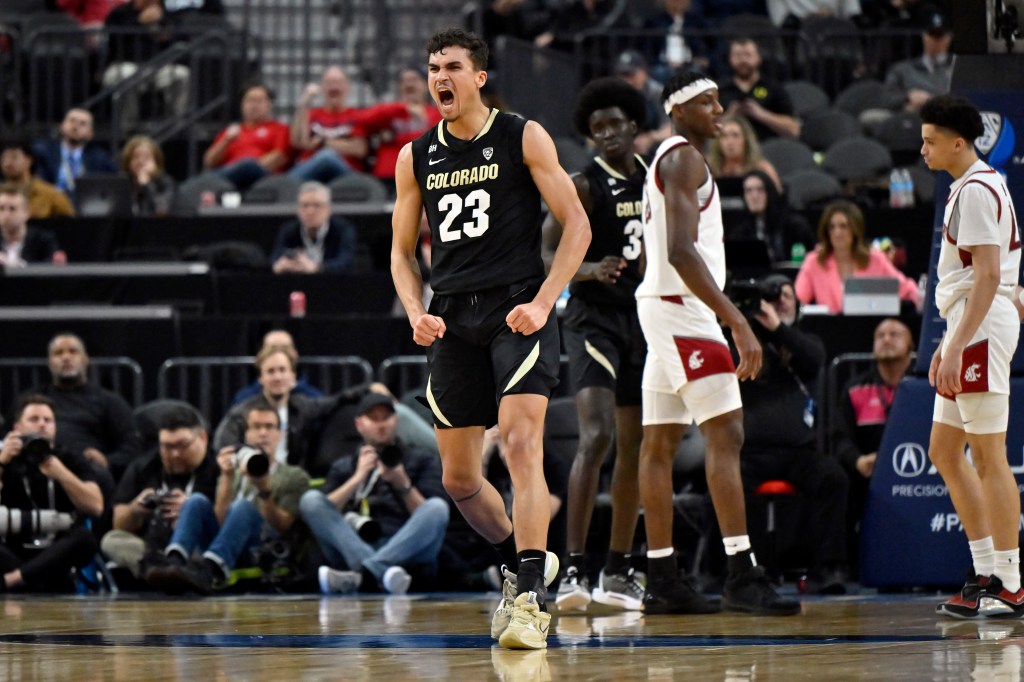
[747, 294]
[35, 448]
[367, 528]
[390, 455]
[33, 522]
[252, 460]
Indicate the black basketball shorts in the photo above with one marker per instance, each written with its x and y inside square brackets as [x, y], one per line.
[606, 349]
[479, 360]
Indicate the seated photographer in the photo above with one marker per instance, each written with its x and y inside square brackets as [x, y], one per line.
[45, 495]
[150, 496]
[257, 499]
[381, 510]
[779, 412]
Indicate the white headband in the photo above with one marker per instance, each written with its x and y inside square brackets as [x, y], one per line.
[688, 92]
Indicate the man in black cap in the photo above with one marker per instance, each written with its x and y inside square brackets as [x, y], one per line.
[632, 68]
[380, 511]
[922, 77]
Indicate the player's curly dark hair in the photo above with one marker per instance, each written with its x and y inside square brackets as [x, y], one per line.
[678, 81]
[605, 93]
[955, 113]
[457, 37]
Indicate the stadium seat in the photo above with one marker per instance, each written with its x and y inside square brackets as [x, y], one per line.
[186, 201]
[857, 159]
[924, 183]
[822, 130]
[835, 56]
[358, 188]
[808, 99]
[862, 95]
[788, 155]
[273, 189]
[901, 135]
[807, 187]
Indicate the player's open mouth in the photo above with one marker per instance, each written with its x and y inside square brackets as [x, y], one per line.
[445, 97]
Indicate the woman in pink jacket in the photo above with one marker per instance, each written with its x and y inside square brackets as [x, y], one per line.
[843, 252]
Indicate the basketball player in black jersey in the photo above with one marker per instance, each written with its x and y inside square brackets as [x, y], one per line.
[491, 336]
[603, 338]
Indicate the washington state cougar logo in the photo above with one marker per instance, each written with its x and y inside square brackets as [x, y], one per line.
[696, 361]
[973, 373]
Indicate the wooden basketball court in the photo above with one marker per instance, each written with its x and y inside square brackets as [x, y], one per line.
[446, 637]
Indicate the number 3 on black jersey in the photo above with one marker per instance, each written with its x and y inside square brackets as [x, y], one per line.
[452, 204]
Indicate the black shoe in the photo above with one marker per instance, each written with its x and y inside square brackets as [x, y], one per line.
[156, 570]
[967, 603]
[749, 591]
[195, 576]
[677, 596]
[830, 582]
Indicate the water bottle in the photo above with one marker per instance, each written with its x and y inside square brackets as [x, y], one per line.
[907, 185]
[797, 253]
[895, 181]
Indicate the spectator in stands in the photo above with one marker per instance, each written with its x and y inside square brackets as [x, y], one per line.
[22, 246]
[153, 490]
[61, 161]
[94, 422]
[768, 218]
[779, 413]
[789, 13]
[257, 146]
[44, 199]
[394, 124]
[330, 139]
[736, 152]
[283, 339]
[58, 484]
[316, 241]
[89, 13]
[761, 101]
[571, 19]
[673, 51]
[394, 484]
[138, 32]
[632, 68]
[843, 252]
[930, 74]
[506, 18]
[153, 190]
[297, 413]
[251, 504]
[863, 410]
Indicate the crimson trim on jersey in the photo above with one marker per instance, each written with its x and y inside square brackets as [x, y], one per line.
[950, 197]
[714, 186]
[965, 257]
[945, 233]
[657, 177]
[676, 298]
[999, 204]
[703, 357]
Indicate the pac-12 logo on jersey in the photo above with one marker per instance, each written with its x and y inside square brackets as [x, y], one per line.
[488, 153]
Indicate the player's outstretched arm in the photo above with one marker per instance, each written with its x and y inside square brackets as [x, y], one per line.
[405, 225]
[682, 172]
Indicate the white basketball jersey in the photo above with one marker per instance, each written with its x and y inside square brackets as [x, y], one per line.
[979, 211]
[661, 277]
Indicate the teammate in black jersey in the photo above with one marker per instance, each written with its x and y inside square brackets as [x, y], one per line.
[603, 338]
[491, 336]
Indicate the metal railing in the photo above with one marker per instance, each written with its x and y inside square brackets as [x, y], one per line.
[122, 375]
[210, 383]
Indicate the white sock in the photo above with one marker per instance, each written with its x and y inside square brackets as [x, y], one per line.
[736, 544]
[983, 556]
[660, 553]
[1007, 568]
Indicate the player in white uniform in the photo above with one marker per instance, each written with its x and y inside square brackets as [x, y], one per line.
[978, 269]
[689, 373]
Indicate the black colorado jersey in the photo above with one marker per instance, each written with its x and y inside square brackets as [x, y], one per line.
[482, 206]
[616, 230]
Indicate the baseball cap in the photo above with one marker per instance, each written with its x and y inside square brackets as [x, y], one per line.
[629, 61]
[937, 25]
[372, 400]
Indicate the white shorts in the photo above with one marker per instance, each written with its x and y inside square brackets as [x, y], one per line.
[985, 371]
[689, 374]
